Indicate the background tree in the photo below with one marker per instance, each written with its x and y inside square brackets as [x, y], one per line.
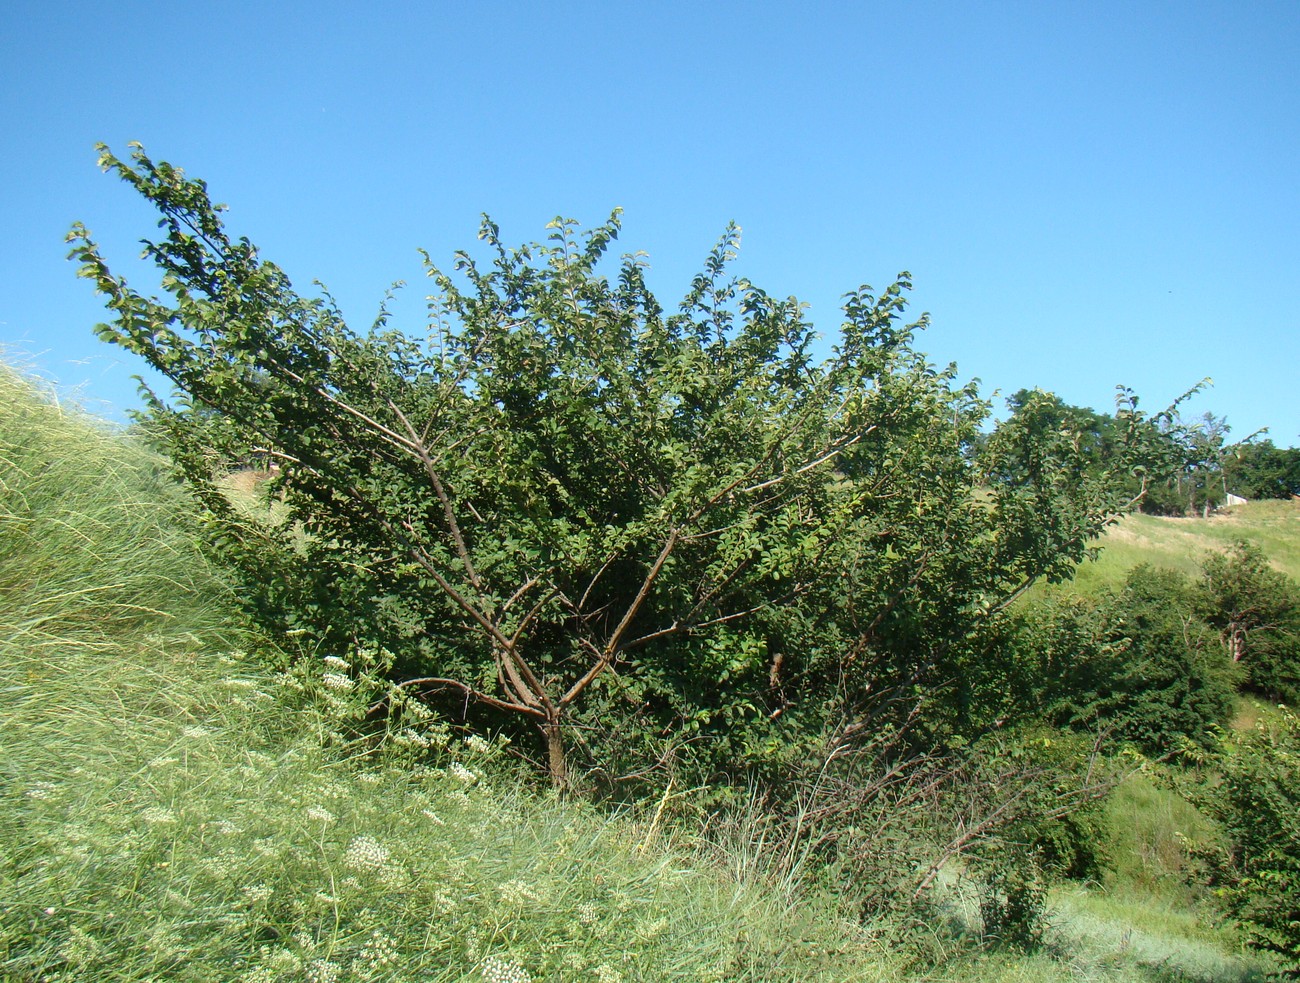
[646, 535]
[1258, 469]
[1256, 611]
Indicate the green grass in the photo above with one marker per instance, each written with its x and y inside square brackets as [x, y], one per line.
[172, 808]
[1155, 835]
[1180, 544]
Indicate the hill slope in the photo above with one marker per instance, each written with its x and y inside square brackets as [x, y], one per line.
[1180, 544]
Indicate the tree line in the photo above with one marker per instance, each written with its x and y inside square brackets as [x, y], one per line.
[1199, 466]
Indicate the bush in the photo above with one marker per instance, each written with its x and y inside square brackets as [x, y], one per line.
[1258, 804]
[1135, 662]
[1256, 611]
[663, 543]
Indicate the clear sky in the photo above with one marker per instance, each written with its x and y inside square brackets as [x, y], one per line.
[1086, 194]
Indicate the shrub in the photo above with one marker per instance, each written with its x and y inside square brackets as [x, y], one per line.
[1258, 803]
[660, 542]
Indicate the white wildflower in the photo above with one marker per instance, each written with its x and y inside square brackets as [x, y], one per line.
[337, 681]
[220, 866]
[195, 731]
[365, 853]
[321, 814]
[462, 774]
[157, 815]
[81, 948]
[369, 778]
[477, 744]
[41, 790]
[605, 973]
[588, 912]
[323, 971]
[411, 738]
[649, 930]
[433, 817]
[235, 683]
[498, 970]
[518, 893]
[418, 710]
[379, 950]
[256, 893]
[334, 662]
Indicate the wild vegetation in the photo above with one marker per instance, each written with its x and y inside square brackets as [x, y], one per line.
[573, 639]
[181, 802]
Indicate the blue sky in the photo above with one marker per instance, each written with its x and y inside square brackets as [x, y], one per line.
[1086, 194]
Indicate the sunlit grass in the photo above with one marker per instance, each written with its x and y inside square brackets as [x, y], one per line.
[1181, 544]
[171, 809]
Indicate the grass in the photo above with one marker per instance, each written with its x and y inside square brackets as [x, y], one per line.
[1180, 544]
[172, 808]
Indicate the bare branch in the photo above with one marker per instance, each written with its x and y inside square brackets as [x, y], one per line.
[470, 691]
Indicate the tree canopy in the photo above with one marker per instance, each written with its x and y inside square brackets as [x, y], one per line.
[654, 536]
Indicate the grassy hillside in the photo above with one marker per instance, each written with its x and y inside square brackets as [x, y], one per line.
[171, 808]
[1179, 544]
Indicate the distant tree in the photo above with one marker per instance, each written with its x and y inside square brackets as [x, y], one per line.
[1135, 661]
[637, 532]
[1256, 611]
[1258, 470]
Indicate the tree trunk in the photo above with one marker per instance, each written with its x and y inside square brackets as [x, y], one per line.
[1237, 643]
[555, 760]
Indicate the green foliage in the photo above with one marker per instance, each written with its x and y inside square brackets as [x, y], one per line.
[1258, 803]
[667, 542]
[1258, 469]
[171, 809]
[1256, 611]
[1135, 662]
[1014, 902]
[1184, 468]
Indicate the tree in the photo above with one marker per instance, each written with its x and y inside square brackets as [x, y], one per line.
[567, 508]
[1134, 661]
[1256, 611]
[1258, 469]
